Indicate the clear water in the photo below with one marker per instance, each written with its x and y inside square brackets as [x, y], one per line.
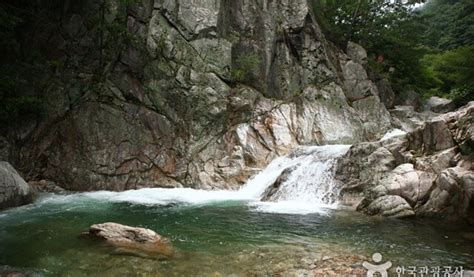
[217, 233]
[220, 237]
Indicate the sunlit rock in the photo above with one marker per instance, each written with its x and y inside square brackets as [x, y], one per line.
[133, 240]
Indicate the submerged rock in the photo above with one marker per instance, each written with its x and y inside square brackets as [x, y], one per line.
[14, 191]
[132, 240]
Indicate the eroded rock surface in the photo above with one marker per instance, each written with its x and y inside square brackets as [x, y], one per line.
[439, 105]
[427, 172]
[203, 94]
[14, 191]
[133, 240]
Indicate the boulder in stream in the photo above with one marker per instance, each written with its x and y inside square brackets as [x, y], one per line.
[14, 191]
[132, 240]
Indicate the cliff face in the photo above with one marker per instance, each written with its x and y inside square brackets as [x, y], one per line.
[189, 93]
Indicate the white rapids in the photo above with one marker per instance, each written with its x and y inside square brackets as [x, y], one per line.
[309, 188]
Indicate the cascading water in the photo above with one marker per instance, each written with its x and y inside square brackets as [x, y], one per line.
[305, 181]
[308, 188]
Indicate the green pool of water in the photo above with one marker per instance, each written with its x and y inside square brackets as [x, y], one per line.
[217, 238]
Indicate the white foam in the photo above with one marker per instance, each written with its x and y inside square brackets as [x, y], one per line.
[393, 133]
[291, 207]
[301, 157]
[305, 191]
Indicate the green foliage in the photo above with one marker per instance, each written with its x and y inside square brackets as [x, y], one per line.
[453, 71]
[390, 32]
[405, 44]
[360, 20]
[454, 68]
[450, 24]
[244, 67]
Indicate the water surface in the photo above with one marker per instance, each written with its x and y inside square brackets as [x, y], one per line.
[218, 237]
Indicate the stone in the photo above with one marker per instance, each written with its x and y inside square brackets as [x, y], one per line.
[407, 119]
[386, 94]
[409, 98]
[190, 17]
[14, 191]
[357, 53]
[75, 26]
[374, 115]
[5, 149]
[46, 186]
[389, 206]
[271, 193]
[437, 136]
[452, 196]
[439, 105]
[425, 172]
[170, 113]
[356, 81]
[216, 53]
[133, 240]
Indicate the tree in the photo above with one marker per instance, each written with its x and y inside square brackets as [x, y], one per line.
[449, 24]
[387, 29]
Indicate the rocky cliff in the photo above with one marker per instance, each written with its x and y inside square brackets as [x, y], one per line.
[188, 93]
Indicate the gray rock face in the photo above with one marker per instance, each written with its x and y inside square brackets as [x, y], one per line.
[425, 172]
[5, 149]
[386, 94]
[357, 53]
[205, 94]
[46, 186]
[410, 98]
[439, 105]
[452, 194]
[14, 191]
[406, 118]
[390, 206]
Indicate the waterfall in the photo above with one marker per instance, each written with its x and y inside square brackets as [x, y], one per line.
[300, 182]
[310, 179]
[304, 177]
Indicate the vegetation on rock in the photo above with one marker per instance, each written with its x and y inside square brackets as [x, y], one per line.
[427, 48]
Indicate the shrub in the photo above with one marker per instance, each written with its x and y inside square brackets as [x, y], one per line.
[245, 67]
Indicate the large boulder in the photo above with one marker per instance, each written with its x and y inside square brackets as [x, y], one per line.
[357, 53]
[427, 172]
[439, 105]
[389, 206]
[133, 240]
[452, 195]
[409, 98]
[386, 93]
[14, 191]
[407, 119]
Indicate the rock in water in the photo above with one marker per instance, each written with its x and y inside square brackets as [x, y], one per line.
[132, 240]
[14, 191]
